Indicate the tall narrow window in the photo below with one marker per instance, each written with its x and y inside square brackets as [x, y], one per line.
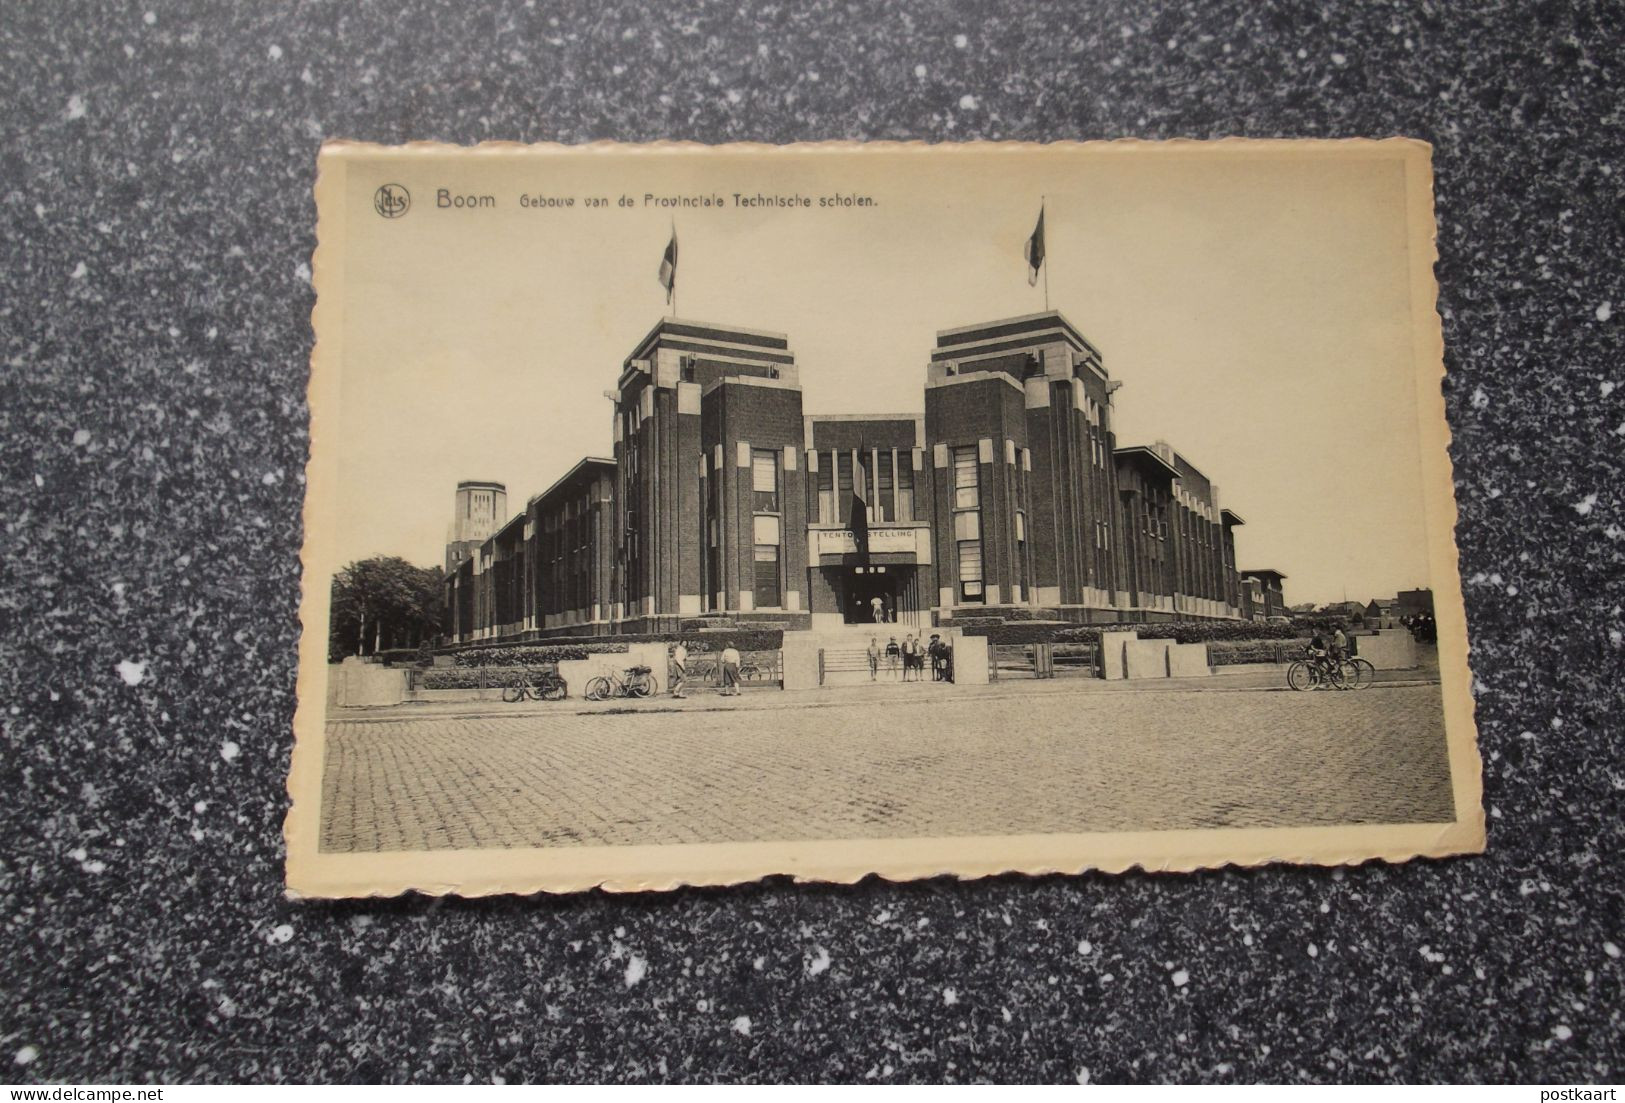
[826, 489]
[764, 467]
[970, 571]
[905, 485]
[713, 558]
[968, 523]
[765, 527]
[765, 554]
[888, 501]
[767, 576]
[967, 485]
[1021, 548]
[843, 484]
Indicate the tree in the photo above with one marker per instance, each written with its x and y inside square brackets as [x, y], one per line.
[382, 603]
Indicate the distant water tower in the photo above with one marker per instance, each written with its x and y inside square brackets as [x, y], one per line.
[480, 510]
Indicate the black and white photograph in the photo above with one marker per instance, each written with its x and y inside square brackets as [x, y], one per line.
[682, 515]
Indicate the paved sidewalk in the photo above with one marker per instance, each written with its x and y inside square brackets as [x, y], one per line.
[884, 692]
[868, 763]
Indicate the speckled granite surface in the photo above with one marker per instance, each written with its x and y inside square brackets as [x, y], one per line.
[155, 171]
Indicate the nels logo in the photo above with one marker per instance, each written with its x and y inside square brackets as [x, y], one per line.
[391, 200]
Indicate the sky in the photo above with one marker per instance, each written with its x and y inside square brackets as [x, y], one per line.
[1256, 309]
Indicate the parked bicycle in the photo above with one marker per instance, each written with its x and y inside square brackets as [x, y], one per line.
[637, 682]
[708, 671]
[535, 685]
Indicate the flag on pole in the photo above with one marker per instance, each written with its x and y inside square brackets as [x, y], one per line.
[1035, 250]
[668, 267]
[860, 504]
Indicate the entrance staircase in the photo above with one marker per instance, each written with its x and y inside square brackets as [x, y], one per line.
[846, 651]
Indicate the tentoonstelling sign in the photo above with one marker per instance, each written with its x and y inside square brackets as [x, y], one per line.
[843, 542]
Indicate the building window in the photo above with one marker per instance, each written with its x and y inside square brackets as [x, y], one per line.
[765, 527]
[764, 468]
[843, 484]
[905, 486]
[968, 523]
[826, 491]
[888, 498]
[767, 576]
[1021, 548]
[967, 487]
[970, 571]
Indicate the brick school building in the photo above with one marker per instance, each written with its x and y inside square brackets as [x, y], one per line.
[1008, 497]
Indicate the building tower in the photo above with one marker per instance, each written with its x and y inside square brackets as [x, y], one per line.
[481, 507]
[708, 500]
[1018, 424]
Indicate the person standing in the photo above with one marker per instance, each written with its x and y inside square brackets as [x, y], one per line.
[1340, 644]
[874, 658]
[893, 655]
[935, 651]
[877, 610]
[730, 670]
[679, 670]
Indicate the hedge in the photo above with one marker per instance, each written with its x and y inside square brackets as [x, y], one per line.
[1190, 631]
[404, 656]
[463, 677]
[1209, 631]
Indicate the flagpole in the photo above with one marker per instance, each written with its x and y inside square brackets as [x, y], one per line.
[1042, 202]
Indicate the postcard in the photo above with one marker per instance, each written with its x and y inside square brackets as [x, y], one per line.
[686, 515]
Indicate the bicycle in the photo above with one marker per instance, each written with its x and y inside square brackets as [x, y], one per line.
[710, 673]
[1308, 674]
[535, 685]
[1358, 672]
[750, 671]
[639, 682]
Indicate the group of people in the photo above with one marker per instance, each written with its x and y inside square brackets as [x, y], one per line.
[1422, 627]
[911, 655]
[1326, 649]
[730, 670]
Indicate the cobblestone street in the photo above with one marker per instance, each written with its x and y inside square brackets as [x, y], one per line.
[940, 764]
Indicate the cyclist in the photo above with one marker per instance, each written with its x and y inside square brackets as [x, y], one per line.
[1320, 652]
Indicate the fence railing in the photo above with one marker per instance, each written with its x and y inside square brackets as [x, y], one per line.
[1042, 660]
[1277, 652]
[756, 668]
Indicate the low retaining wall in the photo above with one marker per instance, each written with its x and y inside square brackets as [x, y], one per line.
[970, 660]
[1389, 649]
[355, 683]
[1187, 660]
[455, 696]
[1125, 655]
[578, 672]
[1112, 659]
[1145, 658]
